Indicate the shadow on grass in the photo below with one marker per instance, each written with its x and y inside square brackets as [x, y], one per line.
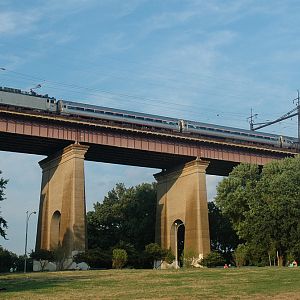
[38, 282]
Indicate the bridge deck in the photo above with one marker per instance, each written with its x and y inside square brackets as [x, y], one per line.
[44, 134]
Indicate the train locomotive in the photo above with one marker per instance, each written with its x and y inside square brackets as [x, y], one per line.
[30, 100]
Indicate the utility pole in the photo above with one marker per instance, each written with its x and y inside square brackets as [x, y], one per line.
[298, 112]
[251, 119]
[292, 113]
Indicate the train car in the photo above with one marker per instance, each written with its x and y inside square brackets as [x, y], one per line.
[17, 98]
[93, 111]
[238, 134]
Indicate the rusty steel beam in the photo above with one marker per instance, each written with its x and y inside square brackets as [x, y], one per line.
[34, 133]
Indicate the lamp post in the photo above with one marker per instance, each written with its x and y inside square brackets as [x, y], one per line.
[26, 233]
[176, 246]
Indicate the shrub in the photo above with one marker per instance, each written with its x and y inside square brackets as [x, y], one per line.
[95, 258]
[134, 259]
[213, 259]
[154, 252]
[168, 256]
[119, 258]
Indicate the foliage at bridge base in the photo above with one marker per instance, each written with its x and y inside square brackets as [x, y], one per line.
[264, 210]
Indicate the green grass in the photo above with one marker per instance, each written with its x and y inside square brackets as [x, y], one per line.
[251, 283]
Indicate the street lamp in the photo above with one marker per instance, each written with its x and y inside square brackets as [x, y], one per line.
[176, 246]
[26, 233]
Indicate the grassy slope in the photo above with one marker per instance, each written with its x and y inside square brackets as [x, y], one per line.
[251, 283]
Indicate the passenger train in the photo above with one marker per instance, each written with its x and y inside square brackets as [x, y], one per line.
[31, 100]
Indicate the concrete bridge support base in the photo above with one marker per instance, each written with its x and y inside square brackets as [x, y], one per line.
[182, 200]
[62, 212]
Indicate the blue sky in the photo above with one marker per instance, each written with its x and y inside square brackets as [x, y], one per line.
[210, 61]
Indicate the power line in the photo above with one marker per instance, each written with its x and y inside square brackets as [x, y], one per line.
[92, 91]
[290, 114]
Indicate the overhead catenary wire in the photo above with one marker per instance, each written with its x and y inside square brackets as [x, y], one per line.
[109, 92]
[112, 96]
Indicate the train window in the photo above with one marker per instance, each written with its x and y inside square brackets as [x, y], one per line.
[131, 117]
[48, 100]
[119, 115]
[109, 113]
[52, 101]
[148, 119]
[158, 121]
[99, 112]
[139, 118]
[75, 108]
[89, 110]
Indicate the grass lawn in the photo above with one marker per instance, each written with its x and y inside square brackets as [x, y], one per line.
[245, 283]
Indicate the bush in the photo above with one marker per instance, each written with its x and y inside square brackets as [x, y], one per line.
[168, 256]
[154, 251]
[213, 259]
[119, 258]
[134, 259]
[95, 258]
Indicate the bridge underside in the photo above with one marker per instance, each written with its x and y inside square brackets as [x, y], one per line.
[107, 154]
[62, 209]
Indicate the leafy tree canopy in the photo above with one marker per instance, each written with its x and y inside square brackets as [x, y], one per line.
[222, 235]
[264, 207]
[126, 214]
[3, 223]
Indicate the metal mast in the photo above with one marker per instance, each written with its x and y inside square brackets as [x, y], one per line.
[292, 113]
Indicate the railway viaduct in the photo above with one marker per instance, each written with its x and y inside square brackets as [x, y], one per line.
[183, 159]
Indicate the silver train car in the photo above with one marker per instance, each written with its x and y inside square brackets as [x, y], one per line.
[15, 97]
[239, 134]
[33, 101]
[106, 113]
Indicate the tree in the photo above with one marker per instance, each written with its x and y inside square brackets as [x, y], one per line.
[126, 214]
[43, 257]
[264, 208]
[60, 256]
[7, 260]
[222, 235]
[3, 223]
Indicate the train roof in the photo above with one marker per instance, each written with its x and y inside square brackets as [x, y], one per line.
[120, 110]
[20, 92]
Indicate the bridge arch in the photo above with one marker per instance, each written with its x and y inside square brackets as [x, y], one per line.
[55, 230]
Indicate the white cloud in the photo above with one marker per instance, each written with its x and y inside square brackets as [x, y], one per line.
[18, 22]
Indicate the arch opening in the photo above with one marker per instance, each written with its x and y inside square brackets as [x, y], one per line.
[55, 230]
